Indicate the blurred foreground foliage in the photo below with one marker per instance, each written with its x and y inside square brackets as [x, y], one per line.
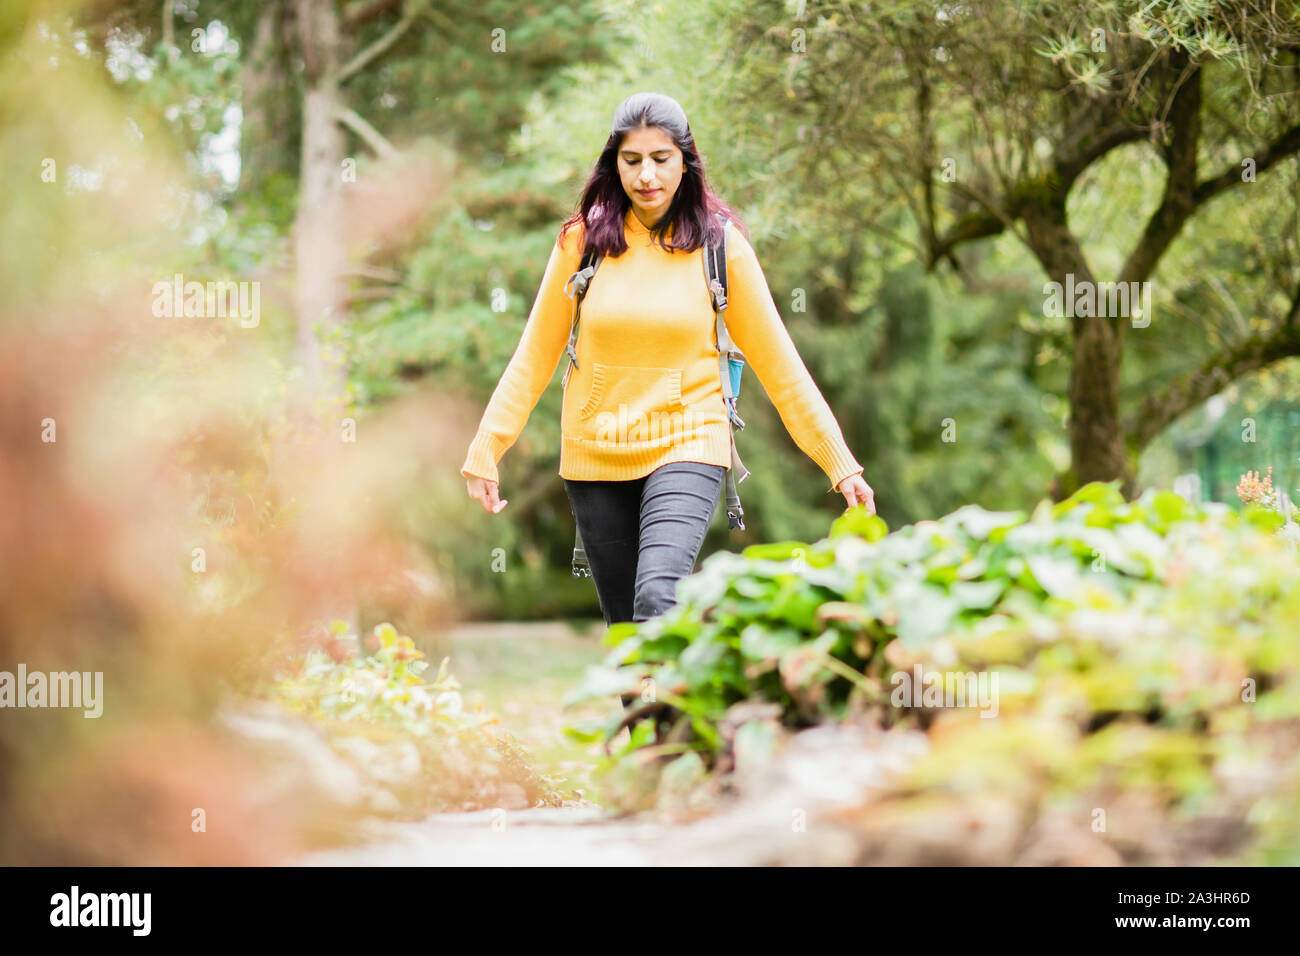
[442, 757]
[1144, 647]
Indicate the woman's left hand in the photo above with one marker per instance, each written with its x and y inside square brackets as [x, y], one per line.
[857, 492]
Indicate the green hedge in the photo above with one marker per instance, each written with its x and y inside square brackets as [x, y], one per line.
[1136, 644]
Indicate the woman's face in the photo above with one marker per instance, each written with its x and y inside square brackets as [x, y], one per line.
[650, 166]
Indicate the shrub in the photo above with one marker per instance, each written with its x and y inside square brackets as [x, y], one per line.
[1145, 645]
[465, 760]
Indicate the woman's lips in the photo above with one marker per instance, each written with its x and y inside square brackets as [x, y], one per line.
[648, 194]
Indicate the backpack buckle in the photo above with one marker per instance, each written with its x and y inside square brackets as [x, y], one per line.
[579, 283]
[579, 280]
[580, 567]
[735, 518]
[719, 297]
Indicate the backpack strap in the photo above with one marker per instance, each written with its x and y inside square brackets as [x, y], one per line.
[715, 274]
[581, 567]
[580, 280]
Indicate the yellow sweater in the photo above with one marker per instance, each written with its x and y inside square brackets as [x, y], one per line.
[647, 389]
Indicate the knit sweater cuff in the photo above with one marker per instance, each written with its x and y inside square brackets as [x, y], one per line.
[834, 458]
[484, 453]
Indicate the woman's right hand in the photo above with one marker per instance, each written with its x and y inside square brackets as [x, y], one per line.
[485, 493]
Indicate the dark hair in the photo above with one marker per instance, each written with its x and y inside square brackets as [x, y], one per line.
[604, 204]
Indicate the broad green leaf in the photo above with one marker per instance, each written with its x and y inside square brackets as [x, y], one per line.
[1100, 492]
[1263, 518]
[699, 661]
[1059, 577]
[860, 523]
[977, 594]
[759, 642]
[615, 634]
[601, 681]
[979, 523]
[796, 605]
[751, 587]
[775, 551]
[924, 613]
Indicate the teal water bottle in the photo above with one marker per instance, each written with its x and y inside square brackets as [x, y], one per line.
[736, 365]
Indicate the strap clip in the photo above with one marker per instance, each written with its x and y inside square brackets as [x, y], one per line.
[719, 297]
[736, 518]
[581, 569]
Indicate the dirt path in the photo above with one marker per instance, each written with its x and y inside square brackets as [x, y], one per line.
[543, 837]
[522, 672]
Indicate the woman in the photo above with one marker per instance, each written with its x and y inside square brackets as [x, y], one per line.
[645, 443]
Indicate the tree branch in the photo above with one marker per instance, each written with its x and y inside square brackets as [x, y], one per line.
[365, 271]
[1285, 145]
[926, 170]
[973, 225]
[360, 12]
[1190, 389]
[373, 138]
[362, 295]
[1085, 147]
[1179, 199]
[1167, 221]
[168, 25]
[376, 49]
[1089, 144]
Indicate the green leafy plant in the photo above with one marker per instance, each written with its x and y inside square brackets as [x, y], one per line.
[385, 686]
[1098, 616]
[466, 760]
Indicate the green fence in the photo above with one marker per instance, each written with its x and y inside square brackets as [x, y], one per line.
[1228, 451]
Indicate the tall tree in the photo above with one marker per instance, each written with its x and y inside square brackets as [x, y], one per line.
[984, 118]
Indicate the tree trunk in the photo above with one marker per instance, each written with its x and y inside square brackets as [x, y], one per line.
[265, 136]
[1096, 436]
[1097, 449]
[319, 245]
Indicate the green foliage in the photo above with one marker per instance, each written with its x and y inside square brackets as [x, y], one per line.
[465, 759]
[896, 344]
[386, 686]
[1094, 612]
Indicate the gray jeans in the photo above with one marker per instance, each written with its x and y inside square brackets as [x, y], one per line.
[643, 536]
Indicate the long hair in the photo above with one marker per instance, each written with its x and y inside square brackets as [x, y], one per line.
[604, 205]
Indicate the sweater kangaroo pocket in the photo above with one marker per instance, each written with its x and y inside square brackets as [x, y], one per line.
[633, 403]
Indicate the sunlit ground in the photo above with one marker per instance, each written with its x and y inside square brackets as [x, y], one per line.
[521, 672]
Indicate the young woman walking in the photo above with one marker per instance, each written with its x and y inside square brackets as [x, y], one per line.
[643, 497]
